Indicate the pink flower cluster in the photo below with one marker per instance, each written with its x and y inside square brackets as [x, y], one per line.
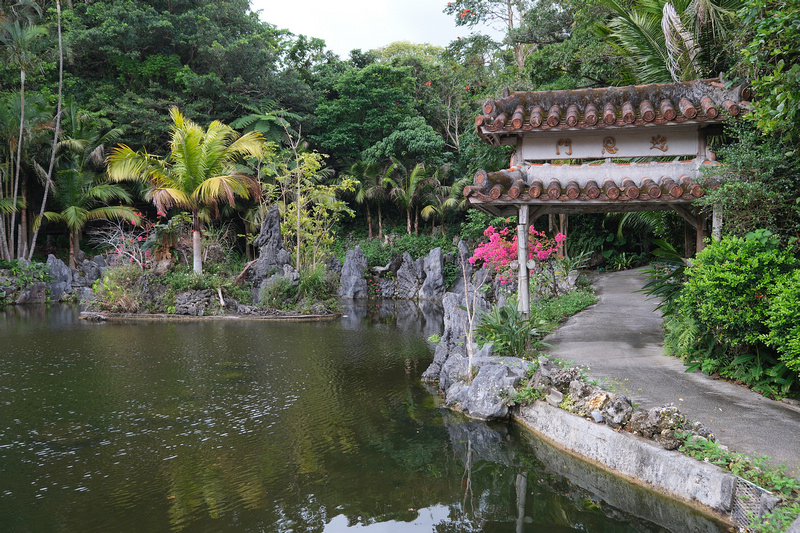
[502, 249]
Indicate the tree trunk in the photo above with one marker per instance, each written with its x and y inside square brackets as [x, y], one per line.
[380, 223]
[197, 244]
[11, 228]
[49, 178]
[369, 221]
[408, 220]
[72, 239]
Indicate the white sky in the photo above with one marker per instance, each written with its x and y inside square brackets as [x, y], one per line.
[365, 24]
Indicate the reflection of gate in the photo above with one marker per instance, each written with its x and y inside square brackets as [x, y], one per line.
[572, 147]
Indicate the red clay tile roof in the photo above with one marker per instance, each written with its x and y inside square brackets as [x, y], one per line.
[518, 113]
[600, 188]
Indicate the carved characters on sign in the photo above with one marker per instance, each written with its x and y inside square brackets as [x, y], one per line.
[659, 142]
[609, 145]
[621, 142]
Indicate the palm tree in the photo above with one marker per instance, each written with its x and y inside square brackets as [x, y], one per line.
[405, 189]
[371, 188]
[439, 199]
[671, 40]
[198, 172]
[79, 185]
[17, 38]
[272, 123]
[56, 129]
[83, 197]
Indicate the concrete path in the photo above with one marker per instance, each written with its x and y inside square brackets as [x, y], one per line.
[620, 340]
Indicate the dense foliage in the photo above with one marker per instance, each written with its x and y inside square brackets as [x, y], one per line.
[381, 143]
[736, 313]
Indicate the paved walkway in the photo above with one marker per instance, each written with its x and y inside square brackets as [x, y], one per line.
[620, 340]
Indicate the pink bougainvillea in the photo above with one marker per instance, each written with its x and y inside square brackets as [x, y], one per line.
[502, 249]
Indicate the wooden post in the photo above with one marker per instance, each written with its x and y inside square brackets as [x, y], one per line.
[563, 220]
[716, 223]
[700, 245]
[523, 290]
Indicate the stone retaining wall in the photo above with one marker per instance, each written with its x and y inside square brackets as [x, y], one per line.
[701, 485]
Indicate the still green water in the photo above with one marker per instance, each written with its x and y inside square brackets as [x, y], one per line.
[272, 427]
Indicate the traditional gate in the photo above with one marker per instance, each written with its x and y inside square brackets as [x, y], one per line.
[599, 129]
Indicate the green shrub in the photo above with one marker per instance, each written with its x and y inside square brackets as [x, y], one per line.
[554, 310]
[509, 331]
[314, 292]
[783, 319]
[735, 306]
[476, 222]
[118, 291]
[26, 274]
[278, 293]
[729, 285]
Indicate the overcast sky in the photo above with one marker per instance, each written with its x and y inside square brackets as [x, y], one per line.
[365, 24]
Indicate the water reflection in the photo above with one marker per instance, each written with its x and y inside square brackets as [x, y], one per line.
[262, 426]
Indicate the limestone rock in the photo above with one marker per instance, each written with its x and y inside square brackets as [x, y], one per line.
[353, 285]
[193, 303]
[617, 411]
[84, 294]
[485, 398]
[272, 254]
[35, 293]
[333, 265]
[659, 424]
[409, 278]
[60, 278]
[433, 284]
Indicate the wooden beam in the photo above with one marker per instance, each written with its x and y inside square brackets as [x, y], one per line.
[686, 214]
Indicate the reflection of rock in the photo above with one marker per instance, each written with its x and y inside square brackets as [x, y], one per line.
[420, 318]
[485, 442]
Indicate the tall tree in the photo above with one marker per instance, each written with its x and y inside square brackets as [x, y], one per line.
[509, 13]
[18, 37]
[365, 105]
[198, 172]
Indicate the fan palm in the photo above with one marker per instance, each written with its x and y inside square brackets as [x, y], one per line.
[272, 123]
[198, 172]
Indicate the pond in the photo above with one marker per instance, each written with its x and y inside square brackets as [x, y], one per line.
[226, 425]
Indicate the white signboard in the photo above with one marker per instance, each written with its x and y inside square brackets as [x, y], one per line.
[614, 143]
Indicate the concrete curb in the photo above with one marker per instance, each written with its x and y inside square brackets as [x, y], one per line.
[703, 486]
